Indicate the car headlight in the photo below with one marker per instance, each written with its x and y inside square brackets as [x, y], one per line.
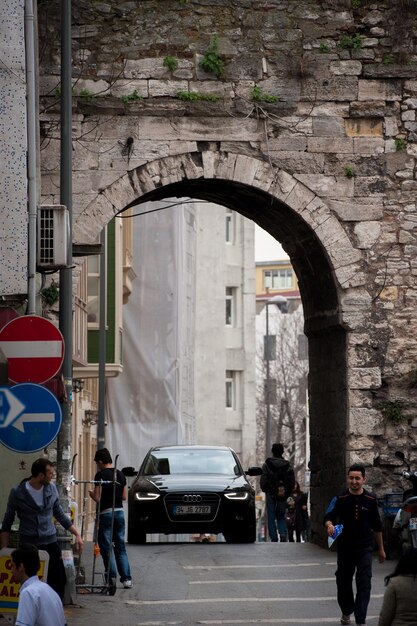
[237, 495]
[146, 495]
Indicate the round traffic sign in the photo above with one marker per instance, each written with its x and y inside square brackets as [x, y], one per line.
[30, 417]
[34, 348]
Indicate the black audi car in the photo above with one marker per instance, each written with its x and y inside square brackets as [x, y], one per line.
[192, 489]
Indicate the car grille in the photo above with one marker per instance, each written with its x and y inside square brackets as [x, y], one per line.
[193, 506]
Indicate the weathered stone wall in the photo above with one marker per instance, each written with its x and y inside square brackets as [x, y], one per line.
[311, 131]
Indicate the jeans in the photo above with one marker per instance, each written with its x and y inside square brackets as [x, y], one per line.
[276, 518]
[350, 559]
[118, 555]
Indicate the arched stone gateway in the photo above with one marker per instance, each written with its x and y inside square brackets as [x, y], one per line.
[328, 266]
[306, 122]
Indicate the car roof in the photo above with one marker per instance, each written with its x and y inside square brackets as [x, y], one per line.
[191, 447]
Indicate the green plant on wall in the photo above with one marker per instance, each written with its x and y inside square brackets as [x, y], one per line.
[87, 95]
[212, 62]
[400, 144]
[193, 96]
[50, 294]
[131, 97]
[258, 95]
[393, 412]
[349, 171]
[356, 4]
[170, 62]
[323, 47]
[350, 42]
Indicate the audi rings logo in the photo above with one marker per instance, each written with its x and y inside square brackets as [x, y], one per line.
[192, 498]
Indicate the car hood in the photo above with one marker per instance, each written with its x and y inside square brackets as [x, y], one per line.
[191, 482]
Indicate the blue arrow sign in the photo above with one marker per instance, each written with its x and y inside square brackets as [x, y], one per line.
[30, 417]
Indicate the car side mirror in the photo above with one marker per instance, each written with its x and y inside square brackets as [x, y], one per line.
[253, 471]
[129, 471]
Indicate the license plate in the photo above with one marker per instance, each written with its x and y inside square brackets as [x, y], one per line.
[192, 509]
[413, 523]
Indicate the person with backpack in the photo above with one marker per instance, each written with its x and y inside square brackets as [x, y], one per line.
[277, 481]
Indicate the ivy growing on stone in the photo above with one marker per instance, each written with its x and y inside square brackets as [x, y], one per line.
[170, 62]
[212, 62]
[400, 144]
[87, 95]
[192, 96]
[131, 97]
[50, 294]
[393, 412]
[349, 171]
[352, 42]
[258, 95]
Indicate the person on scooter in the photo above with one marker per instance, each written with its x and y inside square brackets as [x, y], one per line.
[111, 518]
[357, 510]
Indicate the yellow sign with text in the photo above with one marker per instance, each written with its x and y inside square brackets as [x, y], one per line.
[9, 587]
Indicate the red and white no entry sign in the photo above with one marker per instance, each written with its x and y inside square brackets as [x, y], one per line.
[34, 348]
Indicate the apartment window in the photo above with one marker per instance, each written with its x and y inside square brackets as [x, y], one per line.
[93, 289]
[230, 226]
[230, 306]
[278, 279]
[230, 389]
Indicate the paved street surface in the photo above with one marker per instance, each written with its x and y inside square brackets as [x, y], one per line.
[218, 583]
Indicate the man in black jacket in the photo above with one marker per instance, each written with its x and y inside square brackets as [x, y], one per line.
[357, 509]
[277, 481]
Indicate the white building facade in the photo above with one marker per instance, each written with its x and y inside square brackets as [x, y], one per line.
[225, 331]
[189, 334]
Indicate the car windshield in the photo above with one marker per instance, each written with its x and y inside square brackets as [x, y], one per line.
[191, 462]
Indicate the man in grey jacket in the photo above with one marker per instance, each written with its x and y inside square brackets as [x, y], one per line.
[35, 501]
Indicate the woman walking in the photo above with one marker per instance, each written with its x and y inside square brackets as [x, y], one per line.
[399, 606]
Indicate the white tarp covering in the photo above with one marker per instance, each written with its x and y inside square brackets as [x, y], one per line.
[152, 402]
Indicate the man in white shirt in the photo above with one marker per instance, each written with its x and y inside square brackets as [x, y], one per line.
[39, 604]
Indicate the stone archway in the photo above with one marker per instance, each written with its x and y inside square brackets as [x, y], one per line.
[326, 263]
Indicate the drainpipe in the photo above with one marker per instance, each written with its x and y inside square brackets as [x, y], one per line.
[31, 151]
[101, 424]
[64, 442]
[65, 275]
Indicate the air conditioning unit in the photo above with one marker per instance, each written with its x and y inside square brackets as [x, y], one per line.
[53, 233]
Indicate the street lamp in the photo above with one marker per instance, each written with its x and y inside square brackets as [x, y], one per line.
[269, 355]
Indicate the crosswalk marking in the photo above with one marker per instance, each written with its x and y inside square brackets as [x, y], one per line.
[269, 620]
[260, 566]
[259, 580]
[230, 600]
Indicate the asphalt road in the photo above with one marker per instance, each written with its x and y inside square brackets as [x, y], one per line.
[218, 583]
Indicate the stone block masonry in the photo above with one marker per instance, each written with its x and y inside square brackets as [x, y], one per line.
[304, 121]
